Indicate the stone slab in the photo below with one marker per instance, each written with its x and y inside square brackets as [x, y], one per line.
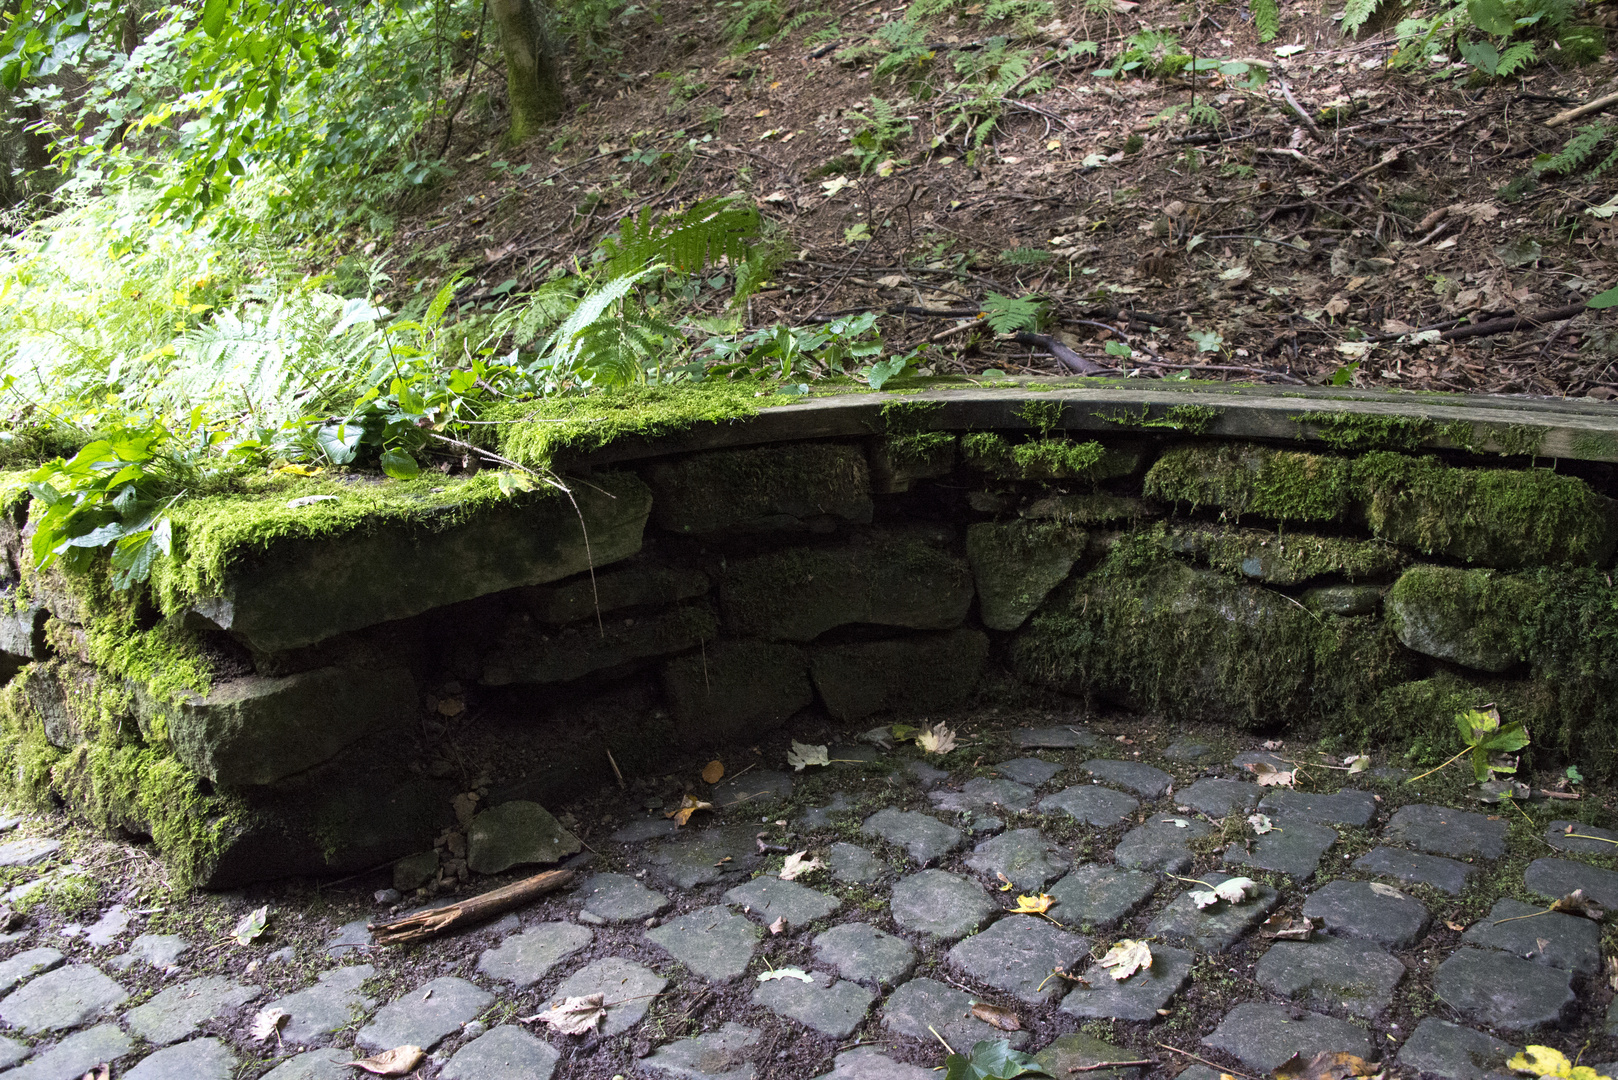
[1499, 990]
[199, 1059]
[1413, 868]
[868, 1063]
[64, 998]
[178, 1011]
[1092, 804]
[333, 1002]
[329, 1063]
[525, 958]
[1098, 897]
[1263, 1036]
[107, 929]
[506, 1052]
[28, 851]
[1028, 770]
[1441, 830]
[769, 898]
[726, 1054]
[1144, 780]
[1054, 738]
[26, 964]
[1162, 844]
[714, 942]
[1189, 751]
[1294, 849]
[1078, 1050]
[620, 898]
[162, 951]
[1555, 878]
[1023, 857]
[924, 839]
[981, 793]
[922, 1005]
[833, 1008]
[629, 990]
[1370, 911]
[1455, 1053]
[940, 905]
[1135, 998]
[1565, 941]
[75, 1055]
[1017, 955]
[516, 833]
[854, 865]
[1349, 806]
[641, 830]
[425, 1015]
[1578, 837]
[1339, 975]
[12, 1051]
[1217, 798]
[706, 857]
[1216, 928]
[865, 954]
[756, 788]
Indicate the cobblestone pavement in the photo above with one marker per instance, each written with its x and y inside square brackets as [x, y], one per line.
[1433, 950]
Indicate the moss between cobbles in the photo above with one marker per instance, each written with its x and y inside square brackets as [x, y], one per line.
[1370, 431]
[1283, 485]
[1192, 419]
[1039, 459]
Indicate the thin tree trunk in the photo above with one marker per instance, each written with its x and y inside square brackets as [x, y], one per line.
[533, 83]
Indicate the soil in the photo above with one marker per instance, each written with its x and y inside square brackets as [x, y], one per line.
[1284, 245]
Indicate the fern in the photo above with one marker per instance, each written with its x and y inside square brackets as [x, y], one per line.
[1025, 256]
[1356, 14]
[755, 21]
[1608, 162]
[1009, 314]
[1267, 17]
[1515, 58]
[800, 20]
[1574, 153]
[711, 230]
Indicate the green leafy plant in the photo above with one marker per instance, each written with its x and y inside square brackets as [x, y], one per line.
[1266, 19]
[989, 77]
[878, 135]
[1486, 741]
[991, 1059]
[1147, 52]
[1011, 314]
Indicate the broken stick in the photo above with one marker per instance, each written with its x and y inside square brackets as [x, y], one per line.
[1583, 110]
[422, 925]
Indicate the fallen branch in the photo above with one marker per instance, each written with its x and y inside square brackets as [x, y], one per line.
[1308, 123]
[432, 922]
[1069, 359]
[1583, 110]
[1502, 326]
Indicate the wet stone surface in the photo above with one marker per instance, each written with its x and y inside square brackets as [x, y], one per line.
[1144, 780]
[1017, 955]
[833, 1008]
[1091, 804]
[1218, 927]
[1369, 910]
[1336, 975]
[1412, 868]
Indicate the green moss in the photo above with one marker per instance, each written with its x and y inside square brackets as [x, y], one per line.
[13, 490]
[1587, 446]
[1417, 718]
[909, 417]
[1042, 416]
[1280, 558]
[1246, 479]
[920, 448]
[1193, 419]
[31, 443]
[1369, 431]
[1039, 459]
[1093, 509]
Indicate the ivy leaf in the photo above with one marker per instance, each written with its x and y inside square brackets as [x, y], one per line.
[991, 1059]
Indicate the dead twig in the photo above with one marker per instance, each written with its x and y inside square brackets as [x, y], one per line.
[1503, 326]
[1140, 1063]
[440, 920]
[1308, 122]
[1586, 109]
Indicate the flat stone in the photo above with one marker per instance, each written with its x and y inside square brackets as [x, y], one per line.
[714, 942]
[769, 898]
[1215, 928]
[1445, 875]
[516, 833]
[706, 857]
[75, 1055]
[327, 1064]
[1588, 840]
[1142, 779]
[1455, 1052]
[1555, 878]
[425, 1015]
[921, 1006]
[940, 904]
[1135, 998]
[620, 898]
[868, 1063]
[1160, 844]
[628, 987]
[1294, 849]
[1344, 599]
[532, 654]
[916, 674]
[177, 1012]
[725, 1054]
[1098, 897]
[1189, 751]
[733, 689]
[107, 929]
[643, 829]
[28, 852]
[199, 1059]
[865, 954]
[1369, 911]
[1263, 1036]
[924, 774]
[1078, 1050]
[1334, 974]
[1468, 617]
[1091, 804]
[1017, 954]
[824, 817]
[854, 865]
[760, 488]
[1022, 856]
[1497, 989]
[1440, 830]
[755, 788]
[527, 957]
[980, 793]
[1217, 798]
[12, 1051]
[352, 937]
[64, 998]
[27, 964]
[1248, 758]
[1054, 738]
[1028, 770]
[503, 1053]
[831, 1007]
[1558, 939]
[1016, 564]
[1347, 807]
[162, 951]
[331, 1004]
[925, 839]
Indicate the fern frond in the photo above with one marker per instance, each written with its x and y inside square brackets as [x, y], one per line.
[565, 344]
[1575, 152]
[1356, 13]
[709, 231]
[1267, 18]
[1515, 58]
[1608, 162]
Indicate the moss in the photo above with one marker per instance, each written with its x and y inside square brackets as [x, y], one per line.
[1042, 416]
[1246, 479]
[1497, 517]
[922, 448]
[1587, 446]
[1369, 431]
[1520, 440]
[13, 491]
[1192, 419]
[1039, 459]
[1280, 558]
[909, 417]
[33, 442]
[1575, 650]
[1094, 509]
[1417, 717]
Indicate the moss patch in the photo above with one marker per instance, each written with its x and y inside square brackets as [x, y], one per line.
[1241, 479]
[1289, 558]
[535, 433]
[1037, 459]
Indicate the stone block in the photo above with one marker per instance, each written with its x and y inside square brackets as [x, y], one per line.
[736, 688]
[300, 590]
[897, 463]
[1016, 564]
[1277, 558]
[639, 583]
[532, 654]
[1475, 618]
[22, 632]
[768, 487]
[917, 674]
[1284, 485]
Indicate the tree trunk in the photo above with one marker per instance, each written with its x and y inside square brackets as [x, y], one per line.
[533, 83]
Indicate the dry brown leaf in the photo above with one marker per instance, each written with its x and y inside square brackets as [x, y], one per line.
[778, 926]
[687, 807]
[1282, 928]
[400, 1061]
[1268, 775]
[1576, 903]
[267, 1024]
[1326, 1065]
[1127, 957]
[1455, 926]
[939, 739]
[574, 1015]
[796, 866]
[995, 1016]
[713, 772]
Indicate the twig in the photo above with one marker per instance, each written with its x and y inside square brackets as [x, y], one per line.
[1140, 1063]
[1295, 155]
[439, 920]
[1205, 1061]
[615, 771]
[1583, 110]
[1069, 359]
[940, 1038]
[1502, 326]
[1429, 772]
[1308, 123]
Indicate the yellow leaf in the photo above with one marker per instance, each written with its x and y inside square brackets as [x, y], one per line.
[1127, 957]
[299, 470]
[1033, 905]
[712, 772]
[936, 740]
[1541, 1061]
[687, 807]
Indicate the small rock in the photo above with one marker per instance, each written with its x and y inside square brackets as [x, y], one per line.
[865, 954]
[1370, 911]
[940, 904]
[1017, 955]
[387, 897]
[514, 834]
[715, 943]
[505, 1053]
[413, 871]
[1445, 875]
[1142, 779]
[1499, 990]
[1263, 1036]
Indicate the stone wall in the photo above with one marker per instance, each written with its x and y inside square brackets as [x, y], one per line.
[358, 685]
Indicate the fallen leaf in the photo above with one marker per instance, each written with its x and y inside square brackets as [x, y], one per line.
[1576, 903]
[1272, 744]
[1455, 926]
[778, 926]
[936, 740]
[574, 1015]
[688, 806]
[1261, 823]
[1268, 775]
[1177, 822]
[1358, 763]
[1282, 928]
[995, 1016]
[713, 772]
[1326, 1065]
[1127, 957]
[267, 1024]
[451, 707]
[1232, 890]
[786, 973]
[1033, 905]
[99, 1072]
[251, 926]
[1005, 882]
[1543, 1061]
[904, 732]
[299, 470]
[796, 866]
[803, 754]
[400, 1061]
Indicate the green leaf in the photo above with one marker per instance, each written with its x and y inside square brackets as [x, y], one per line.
[213, 17]
[1117, 348]
[1491, 16]
[992, 1059]
[880, 372]
[1574, 776]
[400, 465]
[339, 442]
[1508, 739]
[1603, 299]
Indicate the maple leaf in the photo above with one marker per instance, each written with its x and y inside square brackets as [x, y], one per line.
[1261, 823]
[936, 740]
[1268, 775]
[688, 806]
[574, 1015]
[796, 866]
[803, 754]
[267, 1024]
[1127, 957]
[1033, 905]
[400, 1061]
